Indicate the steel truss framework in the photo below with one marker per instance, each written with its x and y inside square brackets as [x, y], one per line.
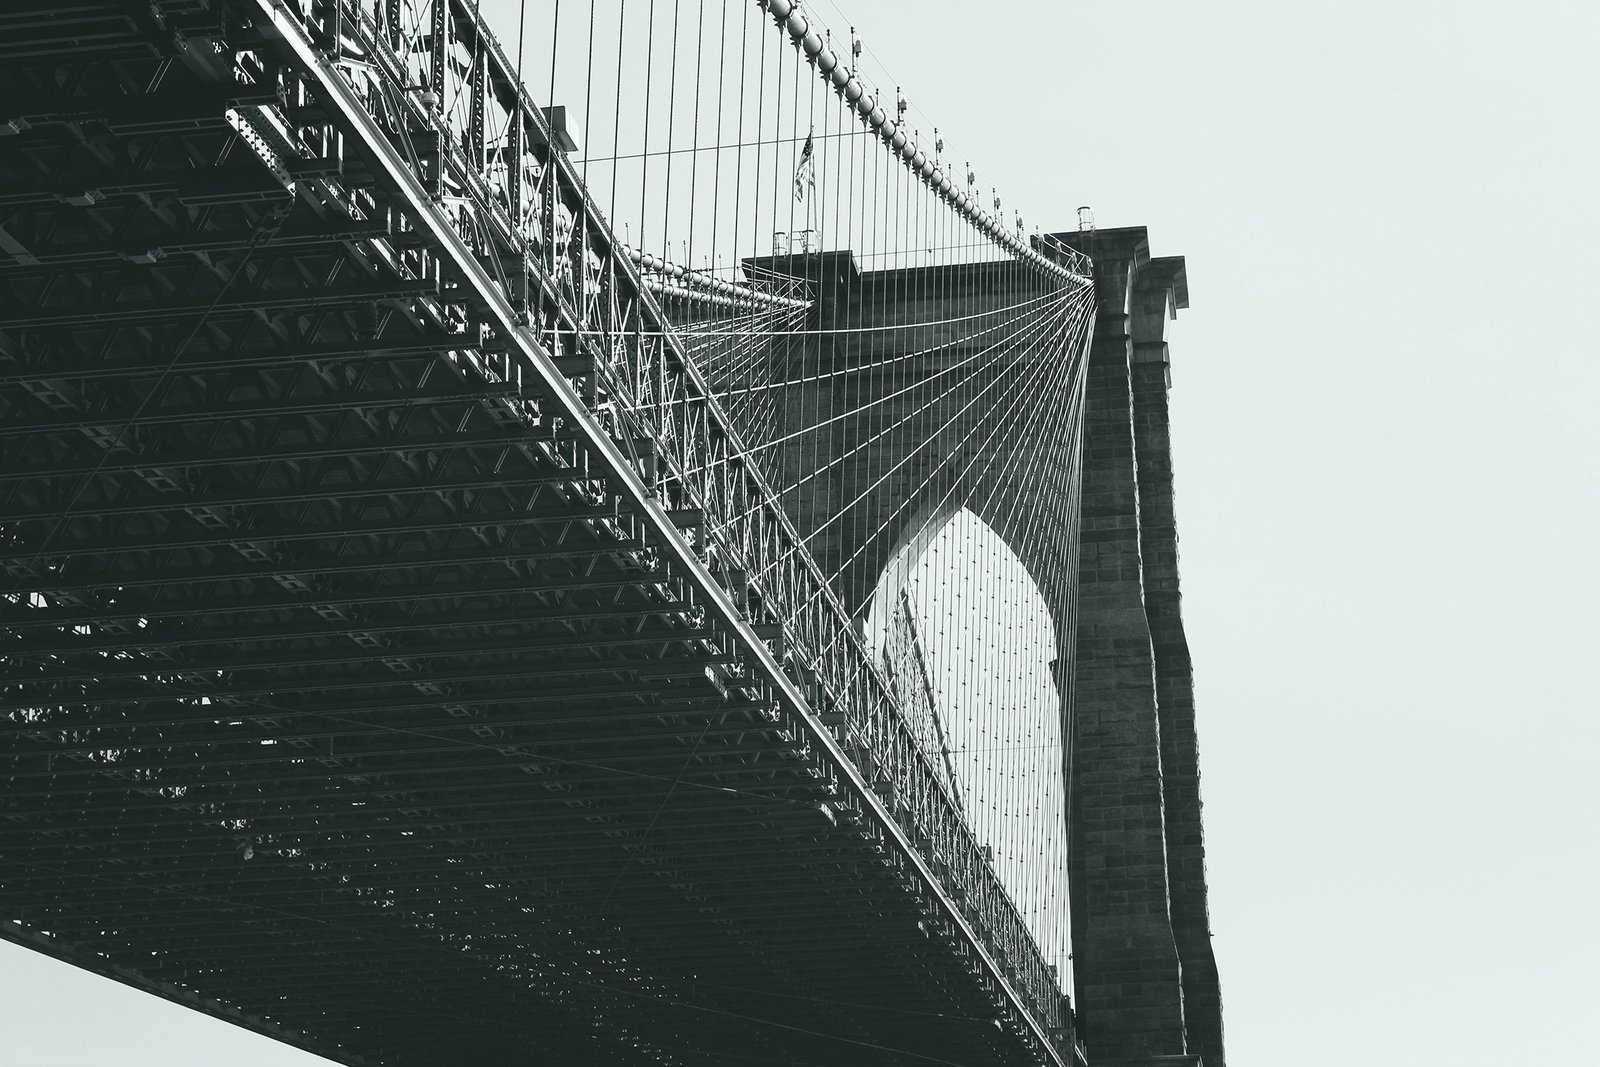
[402, 656]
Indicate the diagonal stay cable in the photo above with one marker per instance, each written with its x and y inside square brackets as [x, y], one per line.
[1014, 400]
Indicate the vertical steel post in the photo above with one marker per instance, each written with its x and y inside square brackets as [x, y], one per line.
[515, 165]
[439, 39]
[440, 53]
[334, 27]
[476, 137]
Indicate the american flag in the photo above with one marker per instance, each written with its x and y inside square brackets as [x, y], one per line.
[804, 174]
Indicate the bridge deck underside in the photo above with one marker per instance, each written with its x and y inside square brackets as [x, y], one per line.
[339, 686]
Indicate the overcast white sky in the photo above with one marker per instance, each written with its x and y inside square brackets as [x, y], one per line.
[1385, 439]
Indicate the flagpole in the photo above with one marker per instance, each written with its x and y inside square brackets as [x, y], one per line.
[811, 195]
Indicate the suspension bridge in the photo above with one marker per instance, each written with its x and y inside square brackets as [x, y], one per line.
[598, 539]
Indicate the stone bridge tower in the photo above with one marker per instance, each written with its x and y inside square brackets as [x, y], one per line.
[1102, 548]
[1145, 974]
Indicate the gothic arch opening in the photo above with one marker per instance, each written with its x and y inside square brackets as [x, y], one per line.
[968, 643]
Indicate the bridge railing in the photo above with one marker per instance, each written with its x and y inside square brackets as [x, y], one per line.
[482, 164]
